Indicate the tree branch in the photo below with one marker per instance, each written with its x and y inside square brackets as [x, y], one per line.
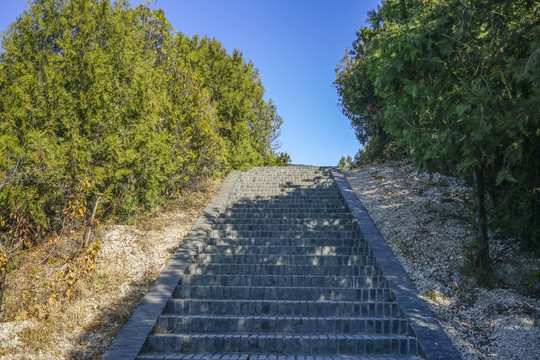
[452, 38]
[528, 61]
[10, 173]
[89, 228]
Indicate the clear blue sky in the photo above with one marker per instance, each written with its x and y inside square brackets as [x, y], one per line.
[295, 44]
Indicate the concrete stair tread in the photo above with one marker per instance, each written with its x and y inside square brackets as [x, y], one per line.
[249, 324]
[282, 288]
[301, 281]
[277, 293]
[352, 257]
[286, 232]
[271, 249]
[305, 241]
[381, 306]
[279, 317]
[176, 356]
[300, 225]
[284, 250]
[274, 306]
[315, 344]
[280, 259]
[271, 269]
[329, 216]
[320, 337]
[291, 235]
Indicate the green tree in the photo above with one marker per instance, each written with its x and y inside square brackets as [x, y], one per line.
[248, 124]
[458, 92]
[104, 111]
[357, 97]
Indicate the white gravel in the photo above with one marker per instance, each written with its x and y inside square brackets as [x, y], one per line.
[425, 220]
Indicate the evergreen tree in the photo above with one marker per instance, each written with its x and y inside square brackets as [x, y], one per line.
[105, 111]
[247, 123]
[458, 91]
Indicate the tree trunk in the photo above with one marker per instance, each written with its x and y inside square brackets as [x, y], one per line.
[2, 287]
[482, 261]
[382, 142]
[530, 235]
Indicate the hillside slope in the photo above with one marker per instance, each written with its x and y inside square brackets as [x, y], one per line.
[425, 221]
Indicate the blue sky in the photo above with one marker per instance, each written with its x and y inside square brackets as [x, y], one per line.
[295, 44]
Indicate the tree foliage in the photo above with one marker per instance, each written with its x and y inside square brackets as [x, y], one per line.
[105, 111]
[248, 124]
[456, 84]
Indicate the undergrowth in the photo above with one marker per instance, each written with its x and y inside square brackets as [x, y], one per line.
[71, 300]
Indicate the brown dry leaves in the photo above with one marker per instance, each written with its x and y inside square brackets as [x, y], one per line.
[60, 306]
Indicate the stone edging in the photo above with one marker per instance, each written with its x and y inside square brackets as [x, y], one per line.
[131, 338]
[433, 342]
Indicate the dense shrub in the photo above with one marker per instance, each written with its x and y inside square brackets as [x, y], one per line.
[105, 111]
[456, 84]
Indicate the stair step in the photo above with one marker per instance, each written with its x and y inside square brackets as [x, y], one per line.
[376, 303]
[285, 194]
[300, 281]
[283, 250]
[176, 356]
[273, 228]
[270, 269]
[314, 260]
[287, 233]
[246, 210]
[294, 208]
[171, 323]
[326, 219]
[260, 216]
[281, 242]
[270, 293]
[283, 344]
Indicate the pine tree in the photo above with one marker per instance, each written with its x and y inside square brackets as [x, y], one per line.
[456, 89]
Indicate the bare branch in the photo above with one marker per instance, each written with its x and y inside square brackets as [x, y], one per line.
[528, 61]
[452, 38]
[10, 174]
[89, 228]
[410, 125]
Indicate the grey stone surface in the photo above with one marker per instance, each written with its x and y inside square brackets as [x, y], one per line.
[278, 267]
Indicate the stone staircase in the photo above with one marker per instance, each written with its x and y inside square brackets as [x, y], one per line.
[286, 273]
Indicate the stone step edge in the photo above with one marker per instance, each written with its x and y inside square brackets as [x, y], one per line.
[204, 306]
[286, 248]
[370, 302]
[180, 325]
[280, 317]
[176, 356]
[399, 344]
[301, 281]
[129, 342]
[284, 288]
[248, 324]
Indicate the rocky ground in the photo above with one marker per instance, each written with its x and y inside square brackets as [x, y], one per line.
[425, 221]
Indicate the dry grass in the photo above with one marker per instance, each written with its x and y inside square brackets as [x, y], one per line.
[57, 306]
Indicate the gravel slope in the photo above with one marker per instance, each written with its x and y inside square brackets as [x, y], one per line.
[425, 221]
